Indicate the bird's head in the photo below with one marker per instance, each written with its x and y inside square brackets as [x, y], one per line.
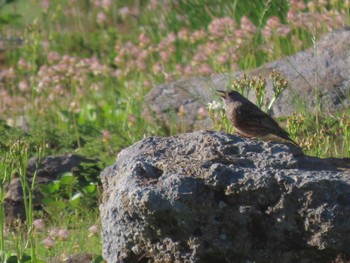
[230, 95]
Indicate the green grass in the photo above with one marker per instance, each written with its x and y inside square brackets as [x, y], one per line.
[94, 107]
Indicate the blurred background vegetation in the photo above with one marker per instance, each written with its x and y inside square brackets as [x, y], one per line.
[74, 74]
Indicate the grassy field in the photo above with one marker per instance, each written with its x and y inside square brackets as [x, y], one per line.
[74, 75]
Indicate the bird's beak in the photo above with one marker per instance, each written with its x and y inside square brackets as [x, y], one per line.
[221, 93]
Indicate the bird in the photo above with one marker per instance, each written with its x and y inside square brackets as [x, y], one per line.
[249, 120]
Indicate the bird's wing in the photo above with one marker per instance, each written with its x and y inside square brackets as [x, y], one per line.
[259, 118]
[254, 114]
[273, 125]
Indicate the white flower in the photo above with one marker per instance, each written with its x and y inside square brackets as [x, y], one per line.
[214, 105]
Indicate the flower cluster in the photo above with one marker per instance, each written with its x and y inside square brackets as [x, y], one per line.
[61, 70]
[219, 45]
[59, 234]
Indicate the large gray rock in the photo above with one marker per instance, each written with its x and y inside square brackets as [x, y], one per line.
[318, 77]
[215, 197]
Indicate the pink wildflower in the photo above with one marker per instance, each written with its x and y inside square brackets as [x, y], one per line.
[48, 242]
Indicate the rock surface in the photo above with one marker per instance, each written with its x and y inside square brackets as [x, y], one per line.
[215, 197]
[319, 73]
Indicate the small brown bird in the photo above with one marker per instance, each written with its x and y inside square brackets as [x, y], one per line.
[249, 120]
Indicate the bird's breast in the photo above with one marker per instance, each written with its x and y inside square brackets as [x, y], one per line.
[232, 113]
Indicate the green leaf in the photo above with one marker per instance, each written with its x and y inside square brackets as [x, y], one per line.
[90, 189]
[67, 179]
[47, 201]
[12, 259]
[97, 259]
[53, 203]
[49, 188]
[8, 18]
[26, 258]
[75, 200]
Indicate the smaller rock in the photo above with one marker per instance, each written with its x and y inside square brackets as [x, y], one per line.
[50, 169]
